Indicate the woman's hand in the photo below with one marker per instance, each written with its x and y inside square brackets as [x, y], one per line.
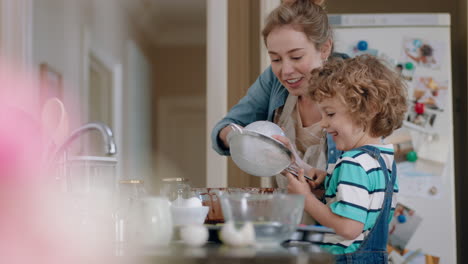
[296, 159]
[317, 176]
[223, 134]
[285, 141]
[298, 162]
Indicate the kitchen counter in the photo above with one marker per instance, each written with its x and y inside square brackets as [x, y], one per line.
[294, 252]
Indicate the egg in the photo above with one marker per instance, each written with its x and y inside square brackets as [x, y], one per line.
[245, 236]
[194, 235]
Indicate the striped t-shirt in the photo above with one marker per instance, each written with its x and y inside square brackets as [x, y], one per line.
[355, 189]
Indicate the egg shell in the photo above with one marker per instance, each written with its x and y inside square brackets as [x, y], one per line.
[245, 236]
[194, 235]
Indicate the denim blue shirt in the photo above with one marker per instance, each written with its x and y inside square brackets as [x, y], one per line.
[262, 99]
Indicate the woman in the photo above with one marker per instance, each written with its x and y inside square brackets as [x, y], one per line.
[298, 39]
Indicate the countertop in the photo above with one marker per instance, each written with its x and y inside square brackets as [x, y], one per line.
[175, 253]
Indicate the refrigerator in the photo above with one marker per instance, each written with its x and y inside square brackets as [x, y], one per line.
[417, 46]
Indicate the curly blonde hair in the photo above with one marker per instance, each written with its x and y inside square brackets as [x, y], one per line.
[307, 16]
[374, 94]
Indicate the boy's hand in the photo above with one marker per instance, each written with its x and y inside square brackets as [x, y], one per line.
[318, 177]
[316, 186]
[298, 185]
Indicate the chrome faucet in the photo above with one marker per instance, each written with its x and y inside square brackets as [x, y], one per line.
[61, 155]
[106, 132]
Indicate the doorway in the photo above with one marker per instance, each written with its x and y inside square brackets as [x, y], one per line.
[100, 99]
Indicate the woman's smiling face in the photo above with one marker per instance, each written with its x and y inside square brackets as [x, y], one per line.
[293, 56]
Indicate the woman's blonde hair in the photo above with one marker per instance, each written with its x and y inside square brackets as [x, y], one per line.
[374, 94]
[307, 16]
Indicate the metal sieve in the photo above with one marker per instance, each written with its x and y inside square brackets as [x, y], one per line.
[259, 155]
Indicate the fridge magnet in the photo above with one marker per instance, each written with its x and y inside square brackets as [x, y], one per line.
[419, 117]
[51, 83]
[361, 47]
[431, 92]
[425, 53]
[405, 70]
[403, 144]
[402, 226]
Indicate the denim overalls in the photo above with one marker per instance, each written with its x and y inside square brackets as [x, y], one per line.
[374, 247]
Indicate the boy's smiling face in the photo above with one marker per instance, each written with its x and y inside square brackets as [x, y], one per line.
[338, 122]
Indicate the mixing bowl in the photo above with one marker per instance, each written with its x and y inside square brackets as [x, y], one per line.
[210, 198]
[275, 216]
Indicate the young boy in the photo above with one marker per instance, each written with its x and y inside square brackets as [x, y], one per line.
[361, 101]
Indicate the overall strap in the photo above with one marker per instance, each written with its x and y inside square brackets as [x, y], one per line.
[375, 153]
[377, 238]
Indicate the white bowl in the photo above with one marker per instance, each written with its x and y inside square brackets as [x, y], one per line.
[189, 215]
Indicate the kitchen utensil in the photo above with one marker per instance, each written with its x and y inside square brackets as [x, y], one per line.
[155, 226]
[274, 216]
[258, 154]
[130, 194]
[173, 188]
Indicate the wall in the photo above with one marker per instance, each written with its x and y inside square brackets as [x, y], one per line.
[15, 30]
[243, 68]
[59, 31]
[64, 31]
[60, 27]
[179, 110]
[180, 70]
[216, 88]
[138, 159]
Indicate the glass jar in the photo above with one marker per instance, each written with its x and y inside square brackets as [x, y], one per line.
[131, 190]
[130, 194]
[172, 188]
